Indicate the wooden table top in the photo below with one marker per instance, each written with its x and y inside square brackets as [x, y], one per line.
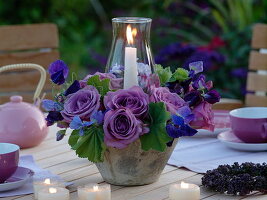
[61, 160]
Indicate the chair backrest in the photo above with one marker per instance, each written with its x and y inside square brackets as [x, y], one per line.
[257, 75]
[35, 43]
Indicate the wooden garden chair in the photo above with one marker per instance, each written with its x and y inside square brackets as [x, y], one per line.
[257, 75]
[35, 43]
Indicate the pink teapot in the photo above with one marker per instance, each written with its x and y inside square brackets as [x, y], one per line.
[23, 123]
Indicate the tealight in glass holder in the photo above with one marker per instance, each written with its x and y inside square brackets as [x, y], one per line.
[130, 57]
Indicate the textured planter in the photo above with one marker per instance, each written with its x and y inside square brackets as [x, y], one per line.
[133, 166]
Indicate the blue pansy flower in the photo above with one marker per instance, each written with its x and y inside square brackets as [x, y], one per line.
[74, 87]
[78, 124]
[179, 128]
[97, 117]
[50, 105]
[58, 71]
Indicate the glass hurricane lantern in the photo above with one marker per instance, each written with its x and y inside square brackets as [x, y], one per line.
[130, 56]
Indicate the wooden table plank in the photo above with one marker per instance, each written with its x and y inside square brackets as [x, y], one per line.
[60, 159]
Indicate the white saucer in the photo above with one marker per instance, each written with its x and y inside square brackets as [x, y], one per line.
[230, 140]
[18, 179]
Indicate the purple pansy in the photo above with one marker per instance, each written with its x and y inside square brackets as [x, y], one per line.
[74, 87]
[133, 98]
[121, 128]
[82, 103]
[58, 71]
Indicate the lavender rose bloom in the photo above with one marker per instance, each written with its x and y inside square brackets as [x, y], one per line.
[133, 98]
[121, 128]
[83, 103]
[114, 84]
[172, 100]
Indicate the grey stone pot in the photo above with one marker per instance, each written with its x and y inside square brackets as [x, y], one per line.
[133, 166]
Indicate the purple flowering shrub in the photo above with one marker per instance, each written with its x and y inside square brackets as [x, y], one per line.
[166, 105]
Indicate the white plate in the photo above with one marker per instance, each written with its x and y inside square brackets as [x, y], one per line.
[230, 140]
[18, 179]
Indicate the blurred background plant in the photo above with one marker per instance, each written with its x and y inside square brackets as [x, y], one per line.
[215, 31]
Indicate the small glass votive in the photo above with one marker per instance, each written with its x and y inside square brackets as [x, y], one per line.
[184, 191]
[40, 183]
[94, 192]
[53, 193]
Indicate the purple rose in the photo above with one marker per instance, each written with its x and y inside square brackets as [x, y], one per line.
[121, 128]
[133, 98]
[115, 83]
[82, 103]
[172, 100]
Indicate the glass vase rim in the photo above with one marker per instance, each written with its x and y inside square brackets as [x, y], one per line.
[131, 20]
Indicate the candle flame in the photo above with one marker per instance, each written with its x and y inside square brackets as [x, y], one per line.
[52, 190]
[47, 181]
[95, 188]
[184, 185]
[130, 34]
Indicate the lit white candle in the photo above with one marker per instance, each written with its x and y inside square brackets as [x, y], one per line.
[184, 191]
[41, 184]
[94, 192]
[130, 61]
[54, 193]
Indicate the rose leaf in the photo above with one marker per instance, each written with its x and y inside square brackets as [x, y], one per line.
[101, 85]
[91, 145]
[157, 137]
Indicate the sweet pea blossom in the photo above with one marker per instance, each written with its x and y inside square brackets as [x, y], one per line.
[203, 117]
[82, 103]
[58, 71]
[133, 98]
[121, 128]
[172, 100]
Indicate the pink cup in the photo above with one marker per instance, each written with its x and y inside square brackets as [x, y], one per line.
[250, 124]
[9, 158]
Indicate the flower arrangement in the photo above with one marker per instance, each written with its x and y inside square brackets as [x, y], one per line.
[101, 114]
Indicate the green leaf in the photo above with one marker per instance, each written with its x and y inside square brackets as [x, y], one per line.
[101, 85]
[164, 74]
[180, 75]
[91, 145]
[157, 137]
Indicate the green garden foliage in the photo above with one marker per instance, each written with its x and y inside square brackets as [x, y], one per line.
[86, 33]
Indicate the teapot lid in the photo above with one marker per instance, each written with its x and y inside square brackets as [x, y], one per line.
[16, 102]
[16, 99]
